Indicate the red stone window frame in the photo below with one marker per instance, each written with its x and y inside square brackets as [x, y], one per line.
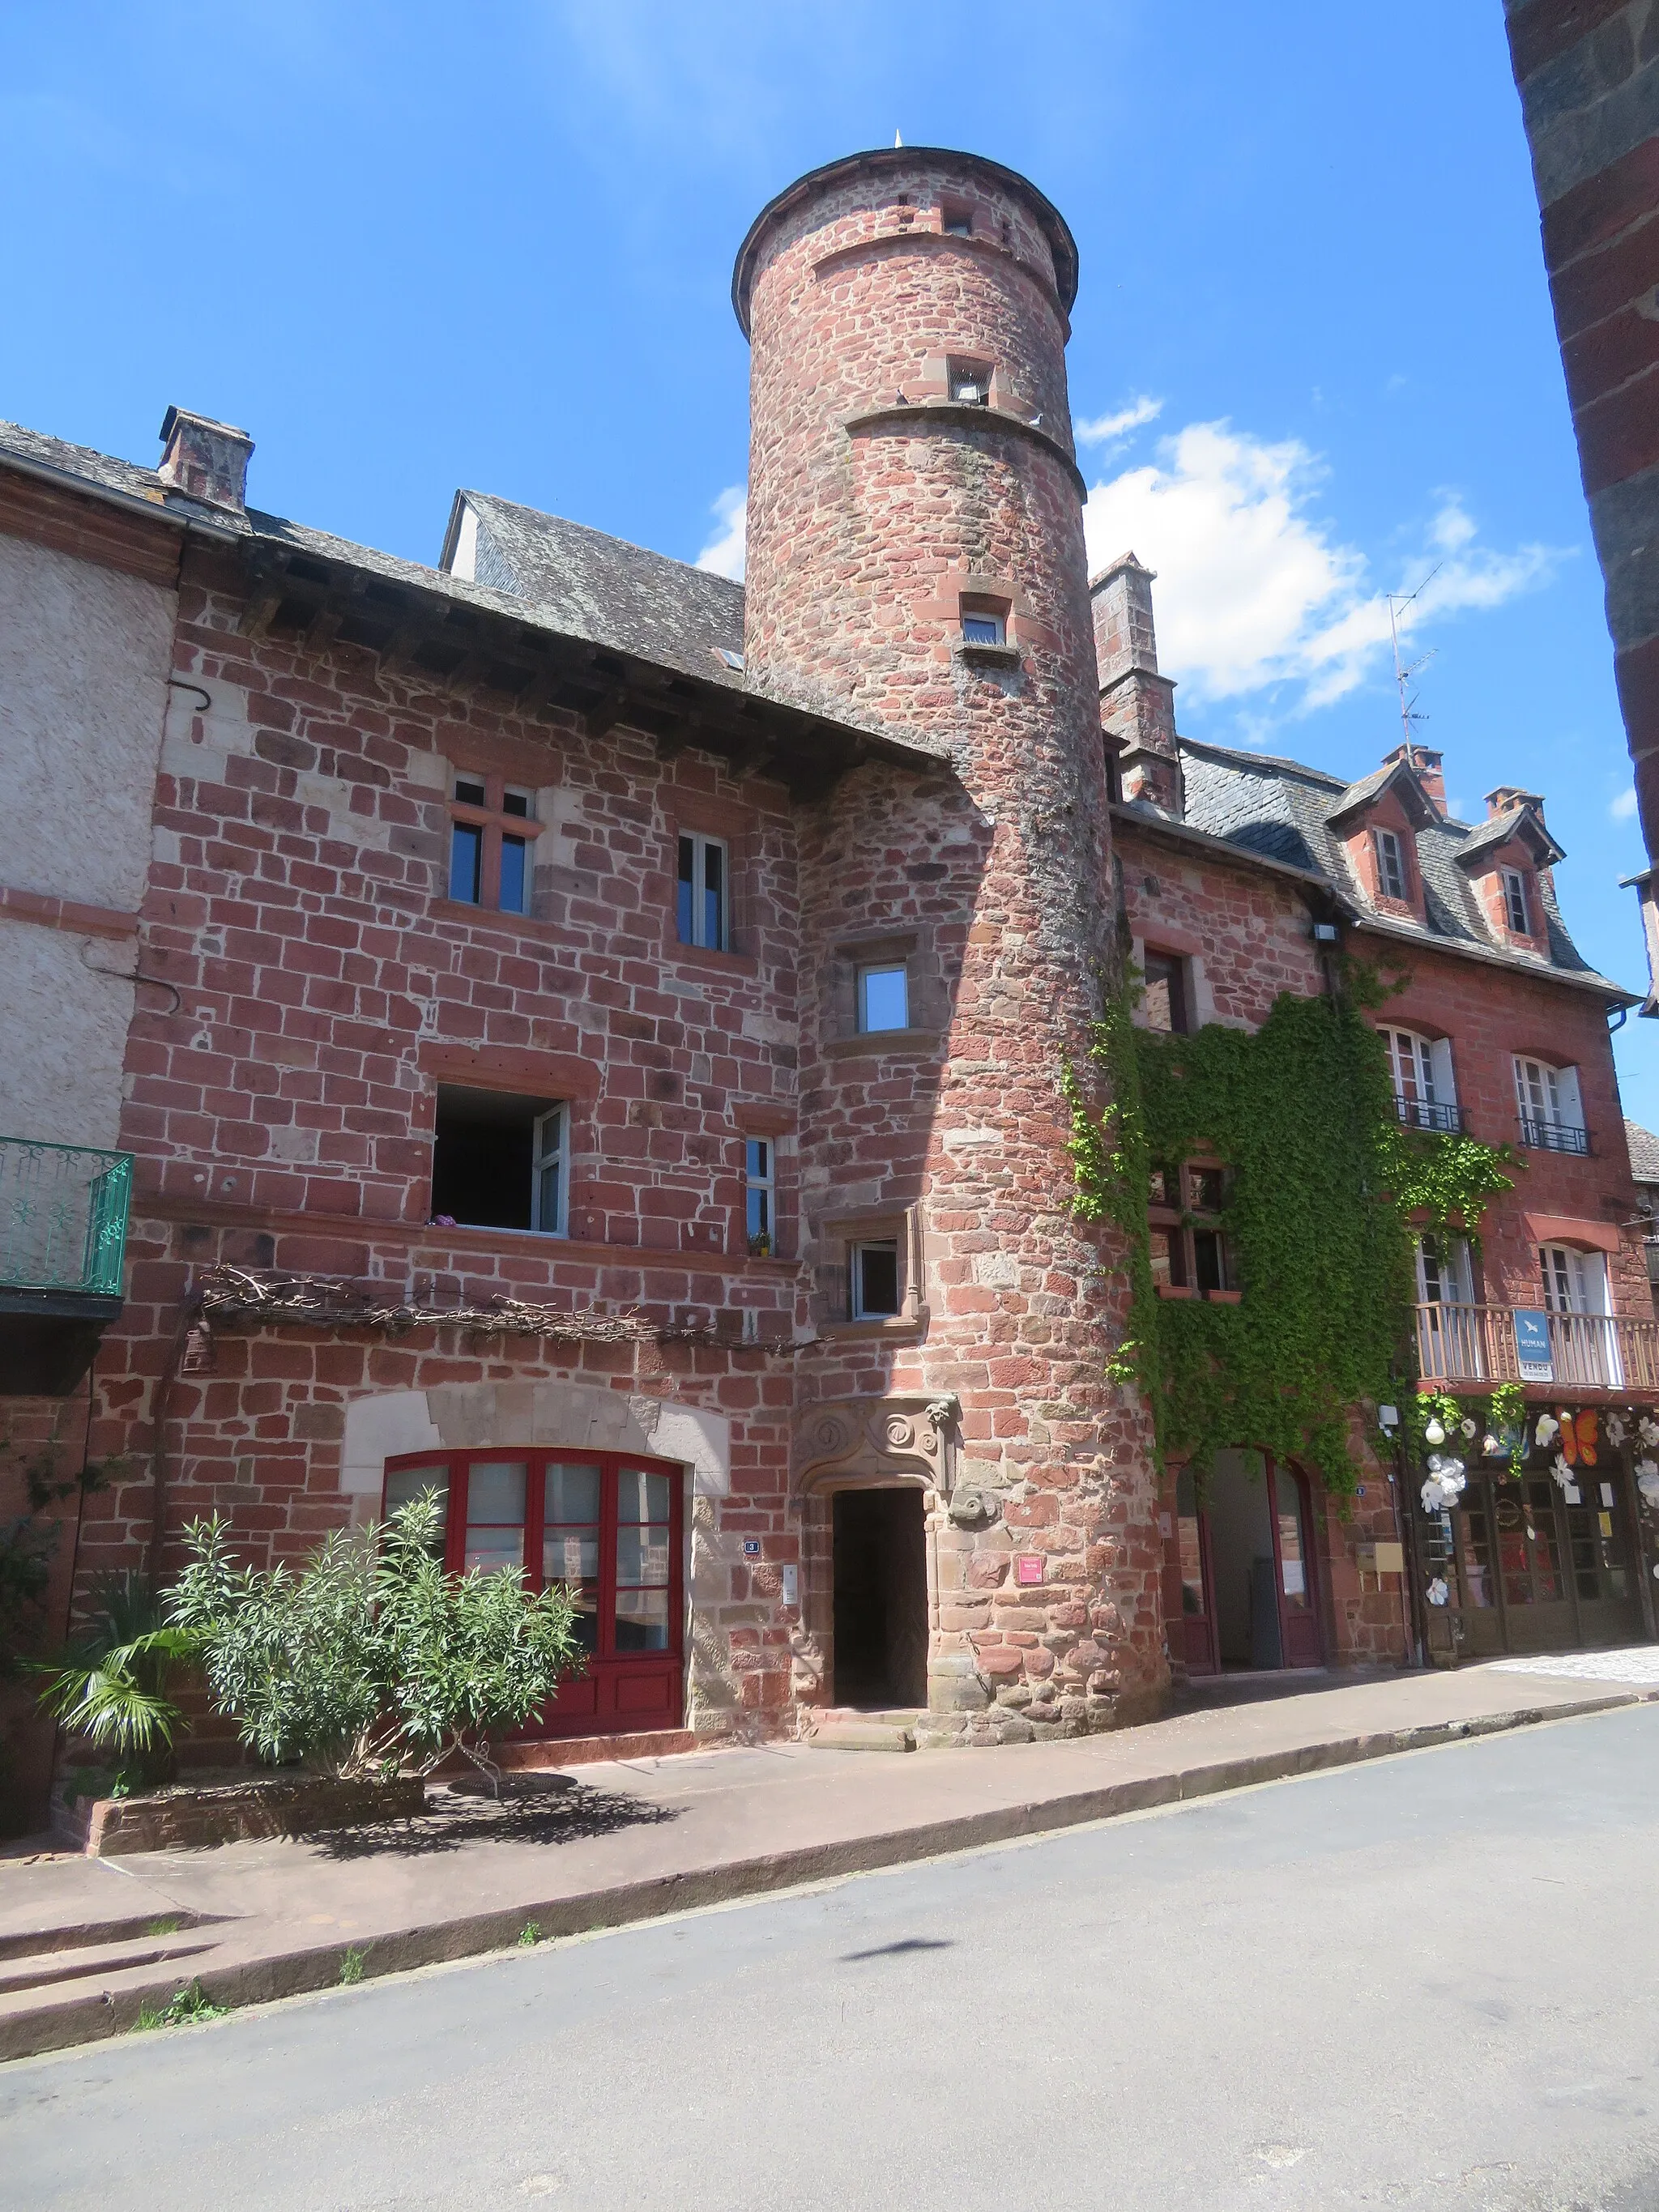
[637, 1577]
[494, 820]
[1388, 855]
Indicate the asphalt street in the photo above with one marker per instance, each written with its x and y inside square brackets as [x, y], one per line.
[1427, 1981]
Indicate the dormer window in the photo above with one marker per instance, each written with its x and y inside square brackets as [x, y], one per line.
[1390, 864]
[1516, 907]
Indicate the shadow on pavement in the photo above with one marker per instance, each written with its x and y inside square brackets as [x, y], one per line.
[532, 1808]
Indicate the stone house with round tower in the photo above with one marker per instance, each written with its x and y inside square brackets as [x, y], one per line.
[587, 1038]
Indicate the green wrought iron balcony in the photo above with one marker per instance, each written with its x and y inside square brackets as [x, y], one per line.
[63, 1217]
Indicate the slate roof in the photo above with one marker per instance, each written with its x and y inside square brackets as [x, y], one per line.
[1282, 810]
[606, 590]
[1643, 1152]
[543, 573]
[1503, 827]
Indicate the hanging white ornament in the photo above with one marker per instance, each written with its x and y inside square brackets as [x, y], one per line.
[1548, 1425]
[1469, 1428]
[1648, 1429]
[1434, 1434]
[1492, 1447]
[1647, 1480]
[1438, 1593]
[1615, 1429]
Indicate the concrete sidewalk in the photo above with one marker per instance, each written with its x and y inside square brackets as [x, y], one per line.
[85, 1942]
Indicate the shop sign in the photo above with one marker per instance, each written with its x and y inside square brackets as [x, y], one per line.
[1532, 1344]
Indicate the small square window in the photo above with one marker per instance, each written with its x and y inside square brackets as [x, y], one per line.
[954, 219]
[884, 998]
[1516, 908]
[875, 1281]
[1208, 1190]
[969, 383]
[702, 911]
[469, 792]
[1168, 1257]
[983, 630]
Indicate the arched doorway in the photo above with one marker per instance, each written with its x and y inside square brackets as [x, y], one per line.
[879, 1597]
[1244, 1534]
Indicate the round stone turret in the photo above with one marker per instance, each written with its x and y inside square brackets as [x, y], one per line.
[916, 565]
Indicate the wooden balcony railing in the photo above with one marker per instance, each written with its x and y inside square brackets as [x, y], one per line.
[1588, 1352]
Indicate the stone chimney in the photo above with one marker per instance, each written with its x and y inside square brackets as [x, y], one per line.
[205, 460]
[1507, 798]
[1429, 773]
[1137, 705]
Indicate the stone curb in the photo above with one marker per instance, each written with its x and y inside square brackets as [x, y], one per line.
[299, 1972]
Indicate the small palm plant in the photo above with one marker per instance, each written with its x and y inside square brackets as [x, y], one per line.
[109, 1685]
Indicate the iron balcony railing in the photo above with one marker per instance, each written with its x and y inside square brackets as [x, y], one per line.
[1587, 1352]
[63, 1216]
[1418, 1113]
[1553, 1136]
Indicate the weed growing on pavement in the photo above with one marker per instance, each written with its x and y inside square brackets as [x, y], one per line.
[168, 1924]
[183, 2009]
[351, 1966]
[530, 1935]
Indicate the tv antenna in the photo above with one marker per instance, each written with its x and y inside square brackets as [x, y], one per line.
[1403, 672]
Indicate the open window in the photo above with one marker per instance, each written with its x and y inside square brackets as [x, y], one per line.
[500, 1161]
[1166, 1001]
[874, 1279]
[1551, 1107]
[1517, 905]
[1424, 1097]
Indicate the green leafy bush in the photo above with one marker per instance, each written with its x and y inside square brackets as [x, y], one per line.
[109, 1685]
[372, 1655]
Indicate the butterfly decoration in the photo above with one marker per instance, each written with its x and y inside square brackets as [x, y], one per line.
[1578, 1438]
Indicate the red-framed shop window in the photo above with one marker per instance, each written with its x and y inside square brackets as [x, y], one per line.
[609, 1526]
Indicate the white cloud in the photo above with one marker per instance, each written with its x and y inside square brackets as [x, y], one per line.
[1623, 806]
[723, 556]
[1255, 589]
[1106, 427]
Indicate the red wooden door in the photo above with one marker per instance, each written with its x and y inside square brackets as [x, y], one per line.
[609, 1526]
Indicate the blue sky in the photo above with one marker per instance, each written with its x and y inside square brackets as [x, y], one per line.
[414, 247]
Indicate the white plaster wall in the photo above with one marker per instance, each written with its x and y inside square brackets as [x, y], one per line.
[64, 1006]
[84, 657]
[85, 654]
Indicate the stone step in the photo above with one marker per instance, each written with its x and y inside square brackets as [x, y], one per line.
[865, 1733]
[93, 1963]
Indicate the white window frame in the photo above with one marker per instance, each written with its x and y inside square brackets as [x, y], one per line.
[898, 968]
[1515, 900]
[550, 1148]
[1445, 1275]
[1575, 1281]
[760, 1180]
[700, 848]
[1421, 1069]
[1547, 1094]
[1390, 854]
[855, 1277]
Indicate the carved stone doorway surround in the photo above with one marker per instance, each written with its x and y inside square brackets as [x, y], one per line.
[863, 1443]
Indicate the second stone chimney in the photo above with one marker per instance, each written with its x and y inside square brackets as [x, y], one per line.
[1429, 772]
[1507, 798]
[205, 460]
[1137, 705]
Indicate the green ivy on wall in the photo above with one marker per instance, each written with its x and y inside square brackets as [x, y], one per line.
[1323, 1189]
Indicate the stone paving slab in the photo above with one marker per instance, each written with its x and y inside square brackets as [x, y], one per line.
[626, 1840]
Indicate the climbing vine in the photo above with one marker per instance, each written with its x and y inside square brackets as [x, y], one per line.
[1322, 1189]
